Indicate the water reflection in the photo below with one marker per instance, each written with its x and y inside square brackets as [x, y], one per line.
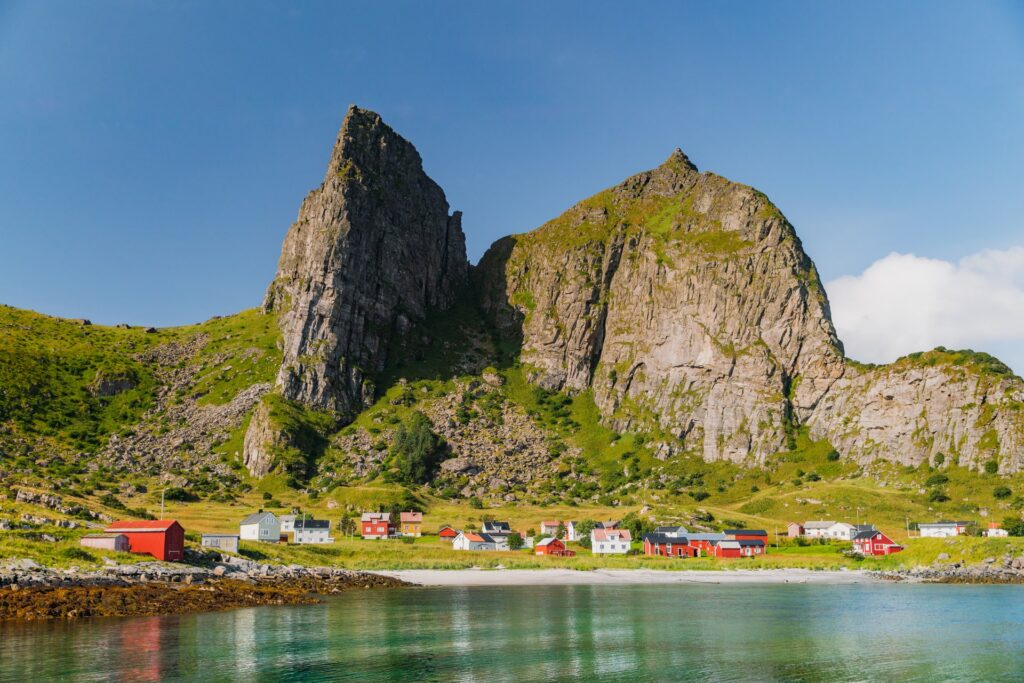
[546, 633]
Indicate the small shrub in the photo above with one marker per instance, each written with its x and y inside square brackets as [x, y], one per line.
[992, 467]
[832, 456]
[1002, 492]
[77, 554]
[176, 493]
[476, 503]
[936, 480]
[937, 496]
[699, 495]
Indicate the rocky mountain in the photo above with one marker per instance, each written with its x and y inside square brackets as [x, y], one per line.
[372, 251]
[683, 302]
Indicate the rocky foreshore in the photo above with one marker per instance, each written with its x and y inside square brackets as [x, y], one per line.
[1005, 569]
[29, 591]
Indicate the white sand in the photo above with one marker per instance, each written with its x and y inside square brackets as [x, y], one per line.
[566, 577]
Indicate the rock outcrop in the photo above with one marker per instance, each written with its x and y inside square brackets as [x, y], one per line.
[373, 249]
[941, 407]
[684, 301]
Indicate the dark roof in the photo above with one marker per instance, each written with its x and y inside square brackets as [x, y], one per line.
[487, 538]
[750, 542]
[746, 532]
[864, 527]
[666, 529]
[497, 527]
[666, 539]
[865, 535]
[312, 524]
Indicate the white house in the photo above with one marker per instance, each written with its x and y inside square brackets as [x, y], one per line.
[467, 540]
[818, 529]
[942, 529]
[498, 533]
[287, 523]
[570, 532]
[312, 531]
[995, 530]
[260, 526]
[549, 528]
[610, 541]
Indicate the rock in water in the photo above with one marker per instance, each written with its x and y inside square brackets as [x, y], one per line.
[373, 249]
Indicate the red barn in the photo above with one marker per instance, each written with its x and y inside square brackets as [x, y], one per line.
[668, 546]
[447, 533]
[874, 542]
[164, 539]
[553, 546]
[726, 548]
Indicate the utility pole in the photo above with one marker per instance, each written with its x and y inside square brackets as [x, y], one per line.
[162, 503]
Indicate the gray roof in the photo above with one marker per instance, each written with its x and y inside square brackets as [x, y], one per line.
[257, 517]
[707, 537]
[220, 535]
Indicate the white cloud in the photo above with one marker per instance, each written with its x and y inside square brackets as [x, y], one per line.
[904, 303]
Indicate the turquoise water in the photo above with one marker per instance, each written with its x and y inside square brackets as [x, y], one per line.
[550, 633]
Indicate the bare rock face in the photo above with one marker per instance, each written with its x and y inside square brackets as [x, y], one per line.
[260, 439]
[373, 249]
[941, 407]
[685, 302]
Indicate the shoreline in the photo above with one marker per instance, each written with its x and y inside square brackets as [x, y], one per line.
[573, 577]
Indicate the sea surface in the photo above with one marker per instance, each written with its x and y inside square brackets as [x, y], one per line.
[554, 633]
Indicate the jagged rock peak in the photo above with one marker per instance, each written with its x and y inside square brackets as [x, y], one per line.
[679, 160]
[372, 250]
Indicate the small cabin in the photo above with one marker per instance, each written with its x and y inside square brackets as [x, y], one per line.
[261, 526]
[447, 533]
[225, 543]
[411, 524]
[116, 542]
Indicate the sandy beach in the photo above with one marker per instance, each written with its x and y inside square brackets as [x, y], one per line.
[564, 577]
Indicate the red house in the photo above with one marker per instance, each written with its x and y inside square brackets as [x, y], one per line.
[447, 533]
[553, 546]
[164, 539]
[747, 534]
[874, 542]
[377, 525]
[726, 548]
[668, 546]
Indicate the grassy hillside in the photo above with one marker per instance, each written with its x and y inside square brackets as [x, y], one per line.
[67, 389]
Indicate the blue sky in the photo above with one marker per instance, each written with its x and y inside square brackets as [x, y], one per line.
[152, 155]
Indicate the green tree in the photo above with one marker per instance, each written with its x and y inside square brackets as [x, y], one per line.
[417, 449]
[992, 466]
[515, 541]
[560, 532]
[637, 525]
[347, 525]
[1014, 526]
[1002, 492]
[583, 530]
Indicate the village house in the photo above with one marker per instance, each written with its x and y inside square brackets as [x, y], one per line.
[610, 541]
[553, 546]
[704, 544]
[308, 531]
[750, 547]
[874, 542]
[411, 524]
[942, 529]
[818, 529]
[164, 539]
[498, 532]
[610, 524]
[447, 533]
[116, 542]
[667, 545]
[995, 530]
[726, 548]
[376, 525]
[226, 543]
[549, 528]
[794, 530]
[672, 531]
[571, 532]
[287, 523]
[260, 526]
[467, 540]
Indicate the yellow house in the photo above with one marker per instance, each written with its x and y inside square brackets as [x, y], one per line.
[411, 524]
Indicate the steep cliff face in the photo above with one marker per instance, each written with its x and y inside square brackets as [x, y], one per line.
[940, 407]
[372, 250]
[683, 300]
